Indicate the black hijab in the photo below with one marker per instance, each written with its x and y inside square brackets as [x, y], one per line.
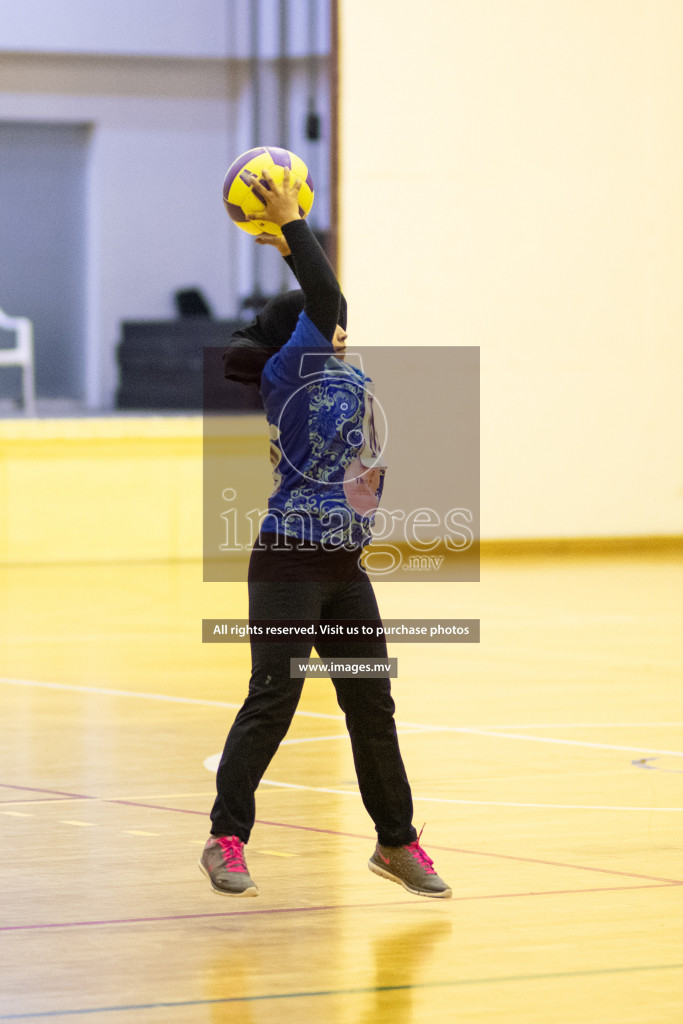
[250, 348]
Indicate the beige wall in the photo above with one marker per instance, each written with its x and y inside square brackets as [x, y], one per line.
[511, 177]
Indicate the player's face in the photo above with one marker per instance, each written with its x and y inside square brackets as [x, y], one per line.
[339, 342]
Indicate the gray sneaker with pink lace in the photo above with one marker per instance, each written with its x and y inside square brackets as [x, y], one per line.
[224, 865]
[411, 867]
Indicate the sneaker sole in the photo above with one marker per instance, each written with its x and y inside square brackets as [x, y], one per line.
[377, 870]
[251, 891]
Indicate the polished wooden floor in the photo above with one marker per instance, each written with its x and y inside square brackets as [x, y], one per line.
[547, 762]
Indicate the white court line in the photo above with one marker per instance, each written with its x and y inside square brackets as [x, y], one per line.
[70, 638]
[553, 739]
[212, 761]
[118, 693]
[149, 696]
[317, 739]
[478, 803]
[345, 736]
[591, 725]
[421, 726]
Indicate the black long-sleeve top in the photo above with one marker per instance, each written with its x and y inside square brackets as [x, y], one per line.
[322, 294]
[250, 348]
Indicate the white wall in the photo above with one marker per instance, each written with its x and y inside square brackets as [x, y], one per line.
[166, 87]
[162, 28]
[159, 28]
[511, 178]
[159, 150]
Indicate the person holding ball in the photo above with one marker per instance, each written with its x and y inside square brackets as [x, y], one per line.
[305, 563]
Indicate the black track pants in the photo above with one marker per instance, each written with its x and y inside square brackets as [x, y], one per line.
[264, 718]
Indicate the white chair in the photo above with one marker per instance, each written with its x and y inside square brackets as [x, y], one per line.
[21, 355]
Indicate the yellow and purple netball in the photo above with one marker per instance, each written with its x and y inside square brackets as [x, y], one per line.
[239, 199]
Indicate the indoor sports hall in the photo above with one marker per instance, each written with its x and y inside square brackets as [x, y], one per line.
[497, 186]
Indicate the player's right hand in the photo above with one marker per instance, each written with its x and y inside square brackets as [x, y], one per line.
[281, 203]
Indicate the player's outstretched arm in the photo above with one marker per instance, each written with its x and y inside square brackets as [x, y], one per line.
[319, 284]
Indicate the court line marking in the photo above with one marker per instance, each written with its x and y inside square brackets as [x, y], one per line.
[54, 925]
[38, 789]
[592, 725]
[477, 803]
[358, 835]
[210, 794]
[195, 917]
[134, 635]
[449, 849]
[52, 800]
[419, 726]
[343, 792]
[491, 731]
[364, 990]
[345, 736]
[555, 740]
[315, 739]
[474, 853]
[494, 733]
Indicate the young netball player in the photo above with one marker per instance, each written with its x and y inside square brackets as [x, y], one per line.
[305, 563]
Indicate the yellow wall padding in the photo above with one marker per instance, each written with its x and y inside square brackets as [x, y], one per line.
[111, 489]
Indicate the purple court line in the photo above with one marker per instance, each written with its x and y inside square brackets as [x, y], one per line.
[319, 993]
[52, 792]
[192, 917]
[565, 892]
[153, 807]
[356, 835]
[562, 864]
[502, 856]
[448, 849]
[304, 910]
[38, 800]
